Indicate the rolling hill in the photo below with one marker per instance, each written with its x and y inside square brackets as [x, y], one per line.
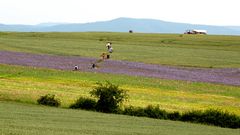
[123, 25]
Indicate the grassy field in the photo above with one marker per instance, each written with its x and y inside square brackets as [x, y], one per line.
[16, 118]
[27, 84]
[172, 49]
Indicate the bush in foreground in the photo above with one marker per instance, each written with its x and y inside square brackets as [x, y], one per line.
[174, 115]
[213, 117]
[209, 117]
[49, 100]
[109, 96]
[84, 103]
[150, 111]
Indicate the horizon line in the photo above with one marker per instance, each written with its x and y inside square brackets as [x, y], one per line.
[62, 23]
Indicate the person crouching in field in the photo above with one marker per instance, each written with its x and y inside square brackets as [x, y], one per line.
[93, 66]
[76, 67]
[103, 56]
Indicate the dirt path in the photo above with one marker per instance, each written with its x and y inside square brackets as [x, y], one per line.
[227, 76]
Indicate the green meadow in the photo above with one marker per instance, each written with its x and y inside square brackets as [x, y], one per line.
[20, 87]
[168, 49]
[27, 84]
[22, 119]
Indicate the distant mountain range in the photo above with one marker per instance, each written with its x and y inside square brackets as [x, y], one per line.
[123, 25]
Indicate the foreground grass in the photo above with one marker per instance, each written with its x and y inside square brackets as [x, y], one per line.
[173, 49]
[16, 118]
[27, 84]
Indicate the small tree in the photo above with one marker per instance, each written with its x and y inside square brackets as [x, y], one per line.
[109, 97]
[49, 100]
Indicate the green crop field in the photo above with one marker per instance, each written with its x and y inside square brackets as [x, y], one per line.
[22, 119]
[27, 84]
[172, 49]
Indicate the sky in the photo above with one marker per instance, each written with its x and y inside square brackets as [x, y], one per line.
[210, 12]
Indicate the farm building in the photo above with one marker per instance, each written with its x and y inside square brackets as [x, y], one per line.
[195, 32]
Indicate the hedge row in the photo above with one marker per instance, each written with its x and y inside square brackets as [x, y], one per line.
[209, 117]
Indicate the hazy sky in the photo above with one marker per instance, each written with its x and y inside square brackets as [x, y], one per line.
[213, 12]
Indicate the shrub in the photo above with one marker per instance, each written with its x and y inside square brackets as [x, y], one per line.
[49, 100]
[213, 117]
[109, 97]
[134, 111]
[149, 111]
[209, 117]
[191, 116]
[84, 103]
[174, 116]
[220, 118]
[155, 112]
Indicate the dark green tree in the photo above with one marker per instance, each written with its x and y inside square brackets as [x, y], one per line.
[110, 97]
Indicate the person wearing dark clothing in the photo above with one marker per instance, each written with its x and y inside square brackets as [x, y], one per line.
[93, 65]
[76, 67]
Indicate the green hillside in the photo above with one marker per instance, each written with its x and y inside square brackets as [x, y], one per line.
[23, 119]
[169, 49]
[27, 84]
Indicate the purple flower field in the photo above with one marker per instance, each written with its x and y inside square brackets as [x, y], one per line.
[229, 76]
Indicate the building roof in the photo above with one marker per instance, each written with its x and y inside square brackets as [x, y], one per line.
[202, 31]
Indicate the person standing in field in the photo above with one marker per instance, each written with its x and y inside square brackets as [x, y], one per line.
[110, 50]
[109, 45]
